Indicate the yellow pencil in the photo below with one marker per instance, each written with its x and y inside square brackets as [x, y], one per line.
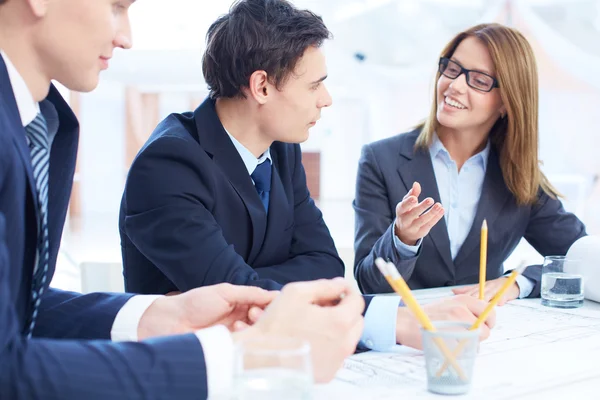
[483, 259]
[496, 299]
[483, 316]
[397, 283]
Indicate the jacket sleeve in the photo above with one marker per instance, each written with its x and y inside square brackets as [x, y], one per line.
[551, 231]
[43, 368]
[374, 228]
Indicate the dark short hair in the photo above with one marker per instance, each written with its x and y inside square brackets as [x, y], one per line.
[269, 35]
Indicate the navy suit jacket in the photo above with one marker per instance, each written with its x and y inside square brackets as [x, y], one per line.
[191, 216]
[44, 367]
[387, 170]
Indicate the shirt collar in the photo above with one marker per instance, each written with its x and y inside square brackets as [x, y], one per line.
[437, 146]
[248, 158]
[484, 154]
[28, 107]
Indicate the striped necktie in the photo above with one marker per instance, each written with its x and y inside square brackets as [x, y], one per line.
[37, 133]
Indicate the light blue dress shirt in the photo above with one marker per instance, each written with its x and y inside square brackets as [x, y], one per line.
[248, 158]
[379, 332]
[459, 194]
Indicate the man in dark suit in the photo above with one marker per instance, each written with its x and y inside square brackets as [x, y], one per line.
[220, 195]
[46, 349]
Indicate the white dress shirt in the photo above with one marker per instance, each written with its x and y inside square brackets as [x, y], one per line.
[217, 344]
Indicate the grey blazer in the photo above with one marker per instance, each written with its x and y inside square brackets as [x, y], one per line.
[386, 171]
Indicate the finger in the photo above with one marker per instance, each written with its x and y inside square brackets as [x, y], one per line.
[462, 289]
[354, 335]
[490, 292]
[239, 326]
[406, 205]
[484, 332]
[347, 341]
[346, 314]
[254, 314]
[430, 217]
[477, 307]
[353, 304]
[248, 295]
[419, 209]
[356, 332]
[494, 287]
[319, 291]
[471, 292]
[416, 189]
[411, 191]
[505, 299]
[330, 303]
[463, 315]
[425, 229]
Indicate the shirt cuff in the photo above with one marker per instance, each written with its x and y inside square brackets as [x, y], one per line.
[380, 323]
[217, 345]
[125, 326]
[405, 251]
[526, 286]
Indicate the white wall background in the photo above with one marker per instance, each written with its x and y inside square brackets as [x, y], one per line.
[386, 94]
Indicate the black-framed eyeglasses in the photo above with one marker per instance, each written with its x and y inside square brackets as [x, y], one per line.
[477, 80]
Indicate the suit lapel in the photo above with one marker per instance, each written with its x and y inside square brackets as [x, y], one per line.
[415, 166]
[11, 117]
[494, 195]
[62, 160]
[214, 139]
[63, 156]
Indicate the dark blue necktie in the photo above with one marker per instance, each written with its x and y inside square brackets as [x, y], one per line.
[37, 133]
[262, 181]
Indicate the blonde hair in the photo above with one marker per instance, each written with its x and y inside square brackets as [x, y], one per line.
[515, 136]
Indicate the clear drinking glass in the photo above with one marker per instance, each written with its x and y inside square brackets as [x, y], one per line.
[459, 341]
[273, 369]
[562, 285]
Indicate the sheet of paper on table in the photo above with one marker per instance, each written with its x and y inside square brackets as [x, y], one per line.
[533, 352]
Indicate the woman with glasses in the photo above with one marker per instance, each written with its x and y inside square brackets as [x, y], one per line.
[422, 196]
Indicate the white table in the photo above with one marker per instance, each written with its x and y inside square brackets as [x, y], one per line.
[534, 352]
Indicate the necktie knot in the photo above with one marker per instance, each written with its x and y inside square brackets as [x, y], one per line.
[262, 176]
[37, 132]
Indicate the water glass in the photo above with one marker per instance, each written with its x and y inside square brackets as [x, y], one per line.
[562, 285]
[453, 338]
[273, 369]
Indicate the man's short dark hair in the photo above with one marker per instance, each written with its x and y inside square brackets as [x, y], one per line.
[269, 35]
